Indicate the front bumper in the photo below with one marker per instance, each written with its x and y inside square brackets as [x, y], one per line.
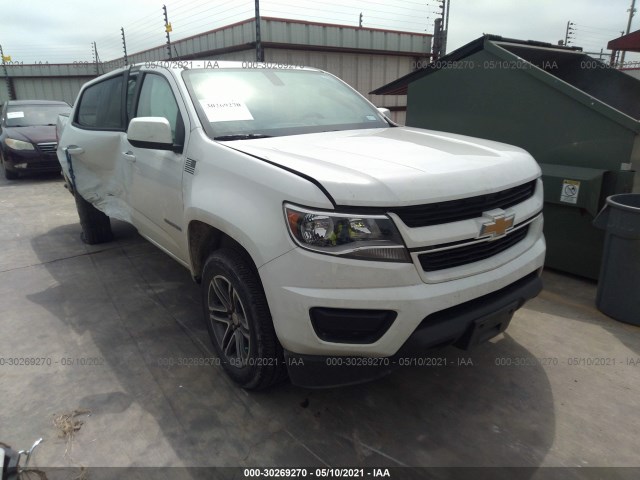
[30, 161]
[299, 281]
[465, 325]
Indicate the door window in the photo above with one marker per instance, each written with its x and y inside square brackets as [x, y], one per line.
[157, 100]
[132, 83]
[101, 105]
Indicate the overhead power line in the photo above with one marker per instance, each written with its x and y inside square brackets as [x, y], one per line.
[192, 17]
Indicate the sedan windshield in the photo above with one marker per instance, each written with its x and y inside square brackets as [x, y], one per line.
[34, 115]
[236, 103]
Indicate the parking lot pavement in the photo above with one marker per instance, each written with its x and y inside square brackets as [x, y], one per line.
[560, 388]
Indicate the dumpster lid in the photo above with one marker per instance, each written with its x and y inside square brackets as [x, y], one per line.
[611, 93]
[400, 86]
[591, 82]
[570, 171]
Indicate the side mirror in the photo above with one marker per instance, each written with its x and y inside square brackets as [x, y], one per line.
[150, 132]
[385, 111]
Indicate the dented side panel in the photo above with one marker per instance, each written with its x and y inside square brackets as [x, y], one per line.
[99, 177]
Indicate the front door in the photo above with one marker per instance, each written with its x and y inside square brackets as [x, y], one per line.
[156, 175]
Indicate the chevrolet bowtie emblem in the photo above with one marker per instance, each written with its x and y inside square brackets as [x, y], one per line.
[498, 227]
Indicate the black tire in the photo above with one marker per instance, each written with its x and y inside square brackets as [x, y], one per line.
[96, 226]
[239, 321]
[8, 174]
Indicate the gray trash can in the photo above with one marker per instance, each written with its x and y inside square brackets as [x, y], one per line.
[619, 283]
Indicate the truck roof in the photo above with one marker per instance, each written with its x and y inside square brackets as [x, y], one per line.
[36, 102]
[196, 64]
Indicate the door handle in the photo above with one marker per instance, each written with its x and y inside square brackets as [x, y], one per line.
[129, 156]
[75, 150]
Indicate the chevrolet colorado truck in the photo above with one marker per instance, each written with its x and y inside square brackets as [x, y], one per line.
[329, 242]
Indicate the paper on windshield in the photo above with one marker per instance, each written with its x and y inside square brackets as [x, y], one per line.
[15, 114]
[218, 110]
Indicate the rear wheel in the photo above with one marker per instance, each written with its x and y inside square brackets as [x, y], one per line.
[239, 321]
[96, 226]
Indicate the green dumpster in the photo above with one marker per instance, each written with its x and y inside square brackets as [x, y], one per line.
[575, 115]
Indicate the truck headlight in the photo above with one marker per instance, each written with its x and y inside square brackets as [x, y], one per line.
[365, 237]
[18, 144]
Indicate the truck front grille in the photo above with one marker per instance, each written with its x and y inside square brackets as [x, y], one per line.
[465, 208]
[454, 257]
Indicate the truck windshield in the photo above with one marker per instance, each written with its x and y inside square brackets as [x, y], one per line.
[238, 103]
[34, 115]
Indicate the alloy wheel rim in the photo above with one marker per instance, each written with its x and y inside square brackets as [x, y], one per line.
[228, 320]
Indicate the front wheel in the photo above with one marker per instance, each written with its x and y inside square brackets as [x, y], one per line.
[239, 322]
[96, 226]
[8, 174]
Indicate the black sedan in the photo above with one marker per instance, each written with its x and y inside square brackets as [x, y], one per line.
[28, 136]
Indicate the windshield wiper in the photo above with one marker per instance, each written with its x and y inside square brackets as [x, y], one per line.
[241, 136]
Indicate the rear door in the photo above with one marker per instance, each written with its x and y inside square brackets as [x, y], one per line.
[94, 138]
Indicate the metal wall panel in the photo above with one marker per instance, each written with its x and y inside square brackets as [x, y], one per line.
[364, 71]
[4, 91]
[52, 70]
[243, 56]
[240, 36]
[341, 36]
[64, 89]
[199, 46]
[399, 117]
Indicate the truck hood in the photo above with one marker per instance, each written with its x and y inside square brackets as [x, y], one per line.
[397, 166]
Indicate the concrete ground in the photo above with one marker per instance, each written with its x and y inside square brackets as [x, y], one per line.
[560, 388]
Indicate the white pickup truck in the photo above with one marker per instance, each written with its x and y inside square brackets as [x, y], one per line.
[330, 243]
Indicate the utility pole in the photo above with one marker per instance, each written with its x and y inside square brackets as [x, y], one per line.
[632, 12]
[567, 35]
[124, 46]
[445, 36]
[96, 58]
[8, 79]
[439, 33]
[360, 21]
[443, 11]
[259, 50]
[167, 29]
[437, 40]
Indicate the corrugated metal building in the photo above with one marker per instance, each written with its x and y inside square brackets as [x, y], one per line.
[45, 81]
[363, 57]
